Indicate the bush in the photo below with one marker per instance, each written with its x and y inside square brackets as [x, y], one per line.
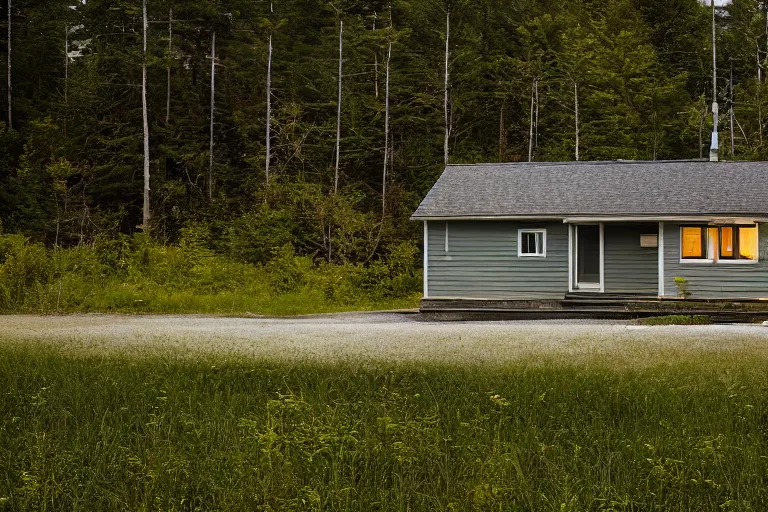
[677, 320]
[133, 274]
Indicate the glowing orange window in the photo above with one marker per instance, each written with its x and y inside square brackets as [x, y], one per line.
[748, 243]
[692, 242]
[726, 242]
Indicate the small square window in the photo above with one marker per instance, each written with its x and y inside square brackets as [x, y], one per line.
[532, 242]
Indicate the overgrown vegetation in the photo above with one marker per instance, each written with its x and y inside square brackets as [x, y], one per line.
[677, 320]
[132, 274]
[71, 156]
[158, 433]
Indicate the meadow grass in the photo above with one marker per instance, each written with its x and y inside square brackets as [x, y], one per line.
[163, 432]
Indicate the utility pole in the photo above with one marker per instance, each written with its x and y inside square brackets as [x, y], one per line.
[713, 149]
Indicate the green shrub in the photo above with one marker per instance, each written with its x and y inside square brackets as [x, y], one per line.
[133, 274]
[677, 320]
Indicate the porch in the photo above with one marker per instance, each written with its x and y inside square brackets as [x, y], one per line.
[595, 305]
[616, 258]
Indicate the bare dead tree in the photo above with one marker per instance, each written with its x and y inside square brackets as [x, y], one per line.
[10, 84]
[269, 102]
[375, 63]
[145, 118]
[338, 111]
[730, 114]
[66, 65]
[502, 133]
[168, 70]
[386, 136]
[213, 106]
[536, 121]
[576, 109]
[530, 131]
[445, 107]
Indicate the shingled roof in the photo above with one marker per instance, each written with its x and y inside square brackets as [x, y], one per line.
[617, 188]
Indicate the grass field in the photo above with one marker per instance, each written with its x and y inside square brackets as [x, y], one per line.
[164, 432]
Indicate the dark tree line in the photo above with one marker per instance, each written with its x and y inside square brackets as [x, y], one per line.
[539, 80]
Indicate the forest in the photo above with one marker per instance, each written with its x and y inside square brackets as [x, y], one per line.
[254, 132]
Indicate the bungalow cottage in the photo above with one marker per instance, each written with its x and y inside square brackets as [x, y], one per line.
[541, 231]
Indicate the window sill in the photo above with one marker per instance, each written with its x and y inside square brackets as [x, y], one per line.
[531, 255]
[719, 262]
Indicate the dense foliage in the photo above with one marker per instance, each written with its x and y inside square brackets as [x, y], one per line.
[112, 432]
[71, 163]
[134, 275]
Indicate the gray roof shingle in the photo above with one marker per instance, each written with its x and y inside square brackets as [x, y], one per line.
[617, 188]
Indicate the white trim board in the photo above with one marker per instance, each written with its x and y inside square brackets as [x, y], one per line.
[602, 258]
[542, 232]
[590, 286]
[661, 259]
[570, 258]
[426, 260]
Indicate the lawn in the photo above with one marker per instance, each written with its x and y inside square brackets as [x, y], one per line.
[163, 432]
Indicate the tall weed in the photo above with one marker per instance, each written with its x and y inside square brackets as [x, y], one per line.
[135, 275]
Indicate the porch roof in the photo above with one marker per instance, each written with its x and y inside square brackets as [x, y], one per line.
[628, 189]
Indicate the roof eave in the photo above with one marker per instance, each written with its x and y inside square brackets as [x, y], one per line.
[580, 218]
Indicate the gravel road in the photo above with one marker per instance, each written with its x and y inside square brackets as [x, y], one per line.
[384, 338]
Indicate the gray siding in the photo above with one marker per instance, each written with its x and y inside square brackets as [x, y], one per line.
[716, 280]
[628, 267]
[482, 262]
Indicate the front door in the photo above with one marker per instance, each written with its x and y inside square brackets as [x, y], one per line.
[588, 255]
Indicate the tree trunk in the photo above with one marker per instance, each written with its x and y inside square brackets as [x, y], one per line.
[213, 105]
[170, 52]
[536, 120]
[10, 85]
[576, 109]
[66, 65]
[530, 131]
[502, 134]
[269, 104]
[66, 82]
[375, 64]
[445, 108]
[338, 110]
[730, 113]
[386, 137]
[145, 115]
[702, 118]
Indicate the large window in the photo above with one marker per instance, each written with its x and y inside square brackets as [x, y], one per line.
[719, 243]
[532, 242]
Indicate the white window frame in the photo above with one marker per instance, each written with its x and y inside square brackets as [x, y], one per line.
[542, 233]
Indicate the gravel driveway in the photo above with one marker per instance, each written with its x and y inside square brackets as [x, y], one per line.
[385, 338]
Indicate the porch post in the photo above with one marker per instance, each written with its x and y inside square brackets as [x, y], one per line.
[602, 258]
[661, 259]
[570, 258]
[426, 260]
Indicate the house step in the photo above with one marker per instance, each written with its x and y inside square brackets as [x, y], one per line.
[609, 296]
